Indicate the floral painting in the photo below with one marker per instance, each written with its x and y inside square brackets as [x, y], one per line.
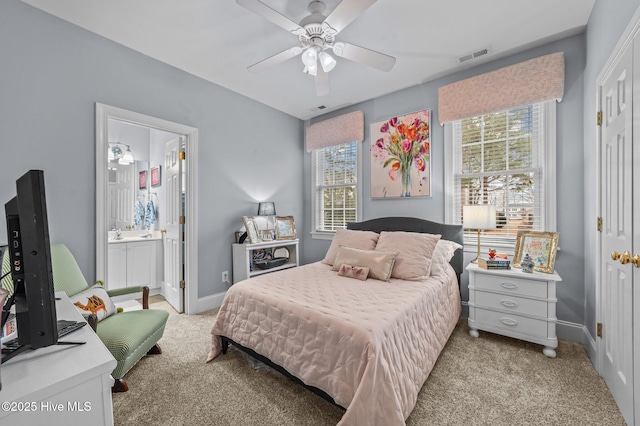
[401, 156]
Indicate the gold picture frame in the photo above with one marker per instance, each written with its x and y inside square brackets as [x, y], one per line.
[540, 246]
[285, 228]
[252, 229]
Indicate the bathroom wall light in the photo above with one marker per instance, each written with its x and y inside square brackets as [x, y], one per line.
[116, 151]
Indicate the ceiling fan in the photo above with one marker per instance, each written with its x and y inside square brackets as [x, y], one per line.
[316, 34]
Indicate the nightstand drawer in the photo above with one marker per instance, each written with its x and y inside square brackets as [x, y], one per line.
[512, 303]
[507, 284]
[513, 323]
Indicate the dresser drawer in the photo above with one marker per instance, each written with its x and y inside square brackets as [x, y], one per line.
[507, 284]
[511, 322]
[512, 303]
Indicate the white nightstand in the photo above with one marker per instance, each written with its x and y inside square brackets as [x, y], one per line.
[243, 267]
[515, 304]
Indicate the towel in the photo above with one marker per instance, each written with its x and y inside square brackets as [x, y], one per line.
[138, 213]
[150, 216]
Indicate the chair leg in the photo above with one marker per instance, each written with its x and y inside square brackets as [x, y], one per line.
[119, 385]
[155, 350]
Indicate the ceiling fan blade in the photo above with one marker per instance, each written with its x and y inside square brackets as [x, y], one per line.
[323, 87]
[275, 59]
[345, 13]
[271, 15]
[364, 56]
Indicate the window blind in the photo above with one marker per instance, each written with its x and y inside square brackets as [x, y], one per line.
[501, 162]
[335, 185]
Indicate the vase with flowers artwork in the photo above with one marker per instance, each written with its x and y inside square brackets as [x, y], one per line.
[401, 156]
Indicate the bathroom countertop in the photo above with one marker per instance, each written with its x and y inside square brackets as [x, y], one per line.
[133, 236]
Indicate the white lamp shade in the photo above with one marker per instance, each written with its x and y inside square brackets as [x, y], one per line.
[312, 70]
[326, 61]
[127, 158]
[309, 57]
[481, 216]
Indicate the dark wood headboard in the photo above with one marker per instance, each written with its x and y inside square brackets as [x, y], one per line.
[412, 224]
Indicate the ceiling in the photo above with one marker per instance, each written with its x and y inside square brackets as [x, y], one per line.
[218, 39]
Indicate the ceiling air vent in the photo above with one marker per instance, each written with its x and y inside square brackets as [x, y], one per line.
[473, 55]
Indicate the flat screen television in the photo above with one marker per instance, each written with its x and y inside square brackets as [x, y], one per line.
[31, 267]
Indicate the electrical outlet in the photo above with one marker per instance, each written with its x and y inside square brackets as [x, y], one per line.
[225, 276]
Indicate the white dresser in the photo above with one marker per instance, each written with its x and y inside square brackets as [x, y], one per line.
[60, 385]
[515, 304]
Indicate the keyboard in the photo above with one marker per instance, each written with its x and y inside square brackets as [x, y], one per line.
[67, 326]
[64, 327]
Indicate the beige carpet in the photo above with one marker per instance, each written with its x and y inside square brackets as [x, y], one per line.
[492, 380]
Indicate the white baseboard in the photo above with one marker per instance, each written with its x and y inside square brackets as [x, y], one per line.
[210, 302]
[570, 331]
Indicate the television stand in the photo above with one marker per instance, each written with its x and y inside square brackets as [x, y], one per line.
[78, 378]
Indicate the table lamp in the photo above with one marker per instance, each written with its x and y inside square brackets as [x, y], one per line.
[267, 208]
[479, 217]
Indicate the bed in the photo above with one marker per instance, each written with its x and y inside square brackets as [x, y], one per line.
[367, 345]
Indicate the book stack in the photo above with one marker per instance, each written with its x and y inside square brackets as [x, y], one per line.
[494, 263]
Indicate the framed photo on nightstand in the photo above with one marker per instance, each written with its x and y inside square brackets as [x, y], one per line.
[540, 246]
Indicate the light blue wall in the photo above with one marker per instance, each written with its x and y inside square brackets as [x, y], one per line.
[607, 22]
[51, 75]
[570, 196]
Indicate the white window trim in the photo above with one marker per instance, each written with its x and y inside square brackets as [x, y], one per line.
[328, 235]
[550, 205]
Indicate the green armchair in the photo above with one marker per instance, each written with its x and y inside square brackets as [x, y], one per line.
[127, 335]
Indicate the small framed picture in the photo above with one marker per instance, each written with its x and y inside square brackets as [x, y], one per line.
[540, 246]
[266, 234]
[252, 230]
[142, 179]
[285, 228]
[156, 178]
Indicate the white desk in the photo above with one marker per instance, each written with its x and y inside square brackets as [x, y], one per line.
[59, 385]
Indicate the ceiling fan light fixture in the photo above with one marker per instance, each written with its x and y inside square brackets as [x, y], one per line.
[310, 57]
[326, 61]
[312, 70]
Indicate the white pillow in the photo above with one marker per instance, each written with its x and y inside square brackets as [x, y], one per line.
[443, 253]
[363, 240]
[414, 253]
[94, 301]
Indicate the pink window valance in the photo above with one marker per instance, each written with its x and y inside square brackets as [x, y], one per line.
[335, 131]
[537, 80]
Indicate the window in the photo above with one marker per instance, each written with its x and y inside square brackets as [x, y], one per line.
[506, 159]
[336, 191]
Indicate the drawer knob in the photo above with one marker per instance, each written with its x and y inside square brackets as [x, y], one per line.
[509, 303]
[508, 321]
[509, 286]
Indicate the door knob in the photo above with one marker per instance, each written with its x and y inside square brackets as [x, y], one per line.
[636, 260]
[625, 258]
[615, 255]
[164, 231]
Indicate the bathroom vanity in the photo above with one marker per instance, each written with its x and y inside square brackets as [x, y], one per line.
[135, 260]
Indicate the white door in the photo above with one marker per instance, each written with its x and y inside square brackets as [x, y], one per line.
[121, 196]
[616, 346]
[635, 260]
[173, 238]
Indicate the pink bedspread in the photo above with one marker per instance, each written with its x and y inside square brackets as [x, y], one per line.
[369, 344]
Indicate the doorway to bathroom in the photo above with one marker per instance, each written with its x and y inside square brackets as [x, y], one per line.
[146, 223]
